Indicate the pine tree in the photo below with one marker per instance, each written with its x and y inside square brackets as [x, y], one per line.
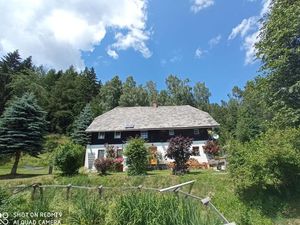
[79, 136]
[22, 127]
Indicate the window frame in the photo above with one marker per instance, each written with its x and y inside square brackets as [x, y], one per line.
[117, 136]
[196, 131]
[196, 149]
[101, 150]
[101, 135]
[171, 132]
[144, 132]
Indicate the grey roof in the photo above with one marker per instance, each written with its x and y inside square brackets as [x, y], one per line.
[151, 118]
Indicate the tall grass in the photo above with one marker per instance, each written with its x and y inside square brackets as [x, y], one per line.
[158, 209]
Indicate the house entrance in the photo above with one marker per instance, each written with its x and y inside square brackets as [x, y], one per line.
[153, 155]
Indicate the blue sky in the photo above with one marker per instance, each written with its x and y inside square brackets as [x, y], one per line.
[210, 41]
[176, 34]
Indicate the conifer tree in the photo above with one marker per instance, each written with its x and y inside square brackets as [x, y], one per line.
[22, 127]
[79, 136]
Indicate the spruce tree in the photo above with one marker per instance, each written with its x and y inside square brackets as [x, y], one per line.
[22, 127]
[79, 136]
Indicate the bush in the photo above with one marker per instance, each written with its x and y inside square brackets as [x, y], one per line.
[272, 161]
[117, 164]
[211, 147]
[179, 150]
[69, 157]
[137, 156]
[103, 165]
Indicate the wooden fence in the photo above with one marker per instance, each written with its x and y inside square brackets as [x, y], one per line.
[176, 189]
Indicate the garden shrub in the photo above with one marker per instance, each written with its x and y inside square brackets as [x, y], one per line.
[137, 156]
[211, 147]
[103, 165]
[69, 157]
[116, 160]
[117, 164]
[179, 149]
[271, 161]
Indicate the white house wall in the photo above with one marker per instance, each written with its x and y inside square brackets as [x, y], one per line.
[92, 152]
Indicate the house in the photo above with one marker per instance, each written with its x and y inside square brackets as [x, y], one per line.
[156, 124]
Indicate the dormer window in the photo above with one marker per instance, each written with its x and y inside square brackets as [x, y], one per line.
[144, 134]
[196, 132]
[117, 135]
[171, 132]
[101, 135]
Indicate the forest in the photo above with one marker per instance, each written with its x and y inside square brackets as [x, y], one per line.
[269, 102]
[259, 122]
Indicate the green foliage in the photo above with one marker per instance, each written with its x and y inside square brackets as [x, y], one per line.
[79, 136]
[201, 96]
[137, 156]
[69, 95]
[279, 50]
[179, 150]
[10, 65]
[29, 80]
[152, 92]
[253, 114]
[22, 127]
[153, 209]
[133, 95]
[272, 161]
[179, 91]
[52, 141]
[89, 210]
[69, 158]
[108, 97]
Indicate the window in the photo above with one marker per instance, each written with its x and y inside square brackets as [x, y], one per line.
[119, 153]
[144, 134]
[195, 151]
[101, 153]
[117, 135]
[171, 132]
[101, 135]
[196, 131]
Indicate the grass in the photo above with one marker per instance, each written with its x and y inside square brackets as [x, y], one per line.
[216, 185]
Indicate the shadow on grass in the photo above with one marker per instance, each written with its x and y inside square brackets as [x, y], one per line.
[274, 202]
[19, 176]
[195, 172]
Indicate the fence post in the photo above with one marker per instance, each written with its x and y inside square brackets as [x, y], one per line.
[190, 189]
[41, 191]
[140, 187]
[34, 186]
[69, 186]
[100, 190]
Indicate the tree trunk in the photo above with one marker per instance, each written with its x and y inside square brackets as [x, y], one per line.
[15, 166]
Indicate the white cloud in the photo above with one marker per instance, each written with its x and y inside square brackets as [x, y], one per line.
[250, 38]
[56, 32]
[112, 53]
[249, 46]
[244, 27]
[199, 53]
[214, 41]
[198, 5]
[266, 7]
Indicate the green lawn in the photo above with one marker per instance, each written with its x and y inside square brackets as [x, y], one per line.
[217, 185]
